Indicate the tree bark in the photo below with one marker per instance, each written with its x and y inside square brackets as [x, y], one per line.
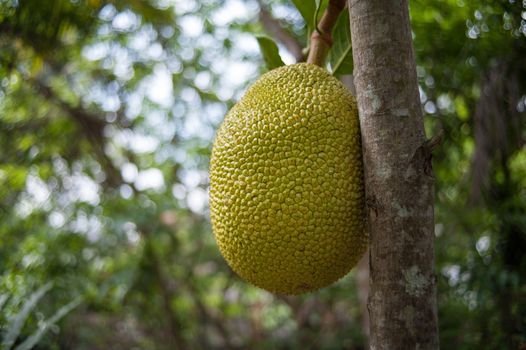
[398, 178]
[362, 283]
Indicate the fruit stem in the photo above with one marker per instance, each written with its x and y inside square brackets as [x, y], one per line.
[321, 38]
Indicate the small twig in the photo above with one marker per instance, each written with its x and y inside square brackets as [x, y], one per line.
[434, 141]
[321, 38]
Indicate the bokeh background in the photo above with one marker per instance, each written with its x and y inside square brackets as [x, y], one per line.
[107, 115]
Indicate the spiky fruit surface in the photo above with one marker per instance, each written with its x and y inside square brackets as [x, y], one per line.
[286, 183]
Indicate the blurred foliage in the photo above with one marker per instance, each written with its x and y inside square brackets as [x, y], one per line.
[107, 113]
[470, 52]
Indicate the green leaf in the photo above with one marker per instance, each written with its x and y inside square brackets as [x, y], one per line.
[307, 9]
[30, 342]
[310, 10]
[3, 299]
[319, 3]
[340, 56]
[17, 324]
[270, 52]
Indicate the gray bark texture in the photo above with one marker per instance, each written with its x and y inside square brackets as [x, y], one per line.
[398, 178]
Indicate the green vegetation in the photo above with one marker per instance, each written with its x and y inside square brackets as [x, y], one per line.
[107, 116]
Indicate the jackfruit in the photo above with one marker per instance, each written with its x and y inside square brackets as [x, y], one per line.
[286, 182]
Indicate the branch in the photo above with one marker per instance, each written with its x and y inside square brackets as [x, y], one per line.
[321, 38]
[435, 141]
[92, 127]
[273, 27]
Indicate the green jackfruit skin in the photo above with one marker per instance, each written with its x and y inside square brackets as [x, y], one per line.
[286, 182]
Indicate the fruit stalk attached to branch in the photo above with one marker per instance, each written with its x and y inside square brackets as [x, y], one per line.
[321, 38]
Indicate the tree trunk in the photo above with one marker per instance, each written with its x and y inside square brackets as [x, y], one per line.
[398, 178]
[362, 283]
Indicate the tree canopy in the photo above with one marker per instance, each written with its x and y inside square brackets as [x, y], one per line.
[107, 114]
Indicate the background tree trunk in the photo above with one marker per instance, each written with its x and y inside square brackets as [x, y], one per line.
[398, 178]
